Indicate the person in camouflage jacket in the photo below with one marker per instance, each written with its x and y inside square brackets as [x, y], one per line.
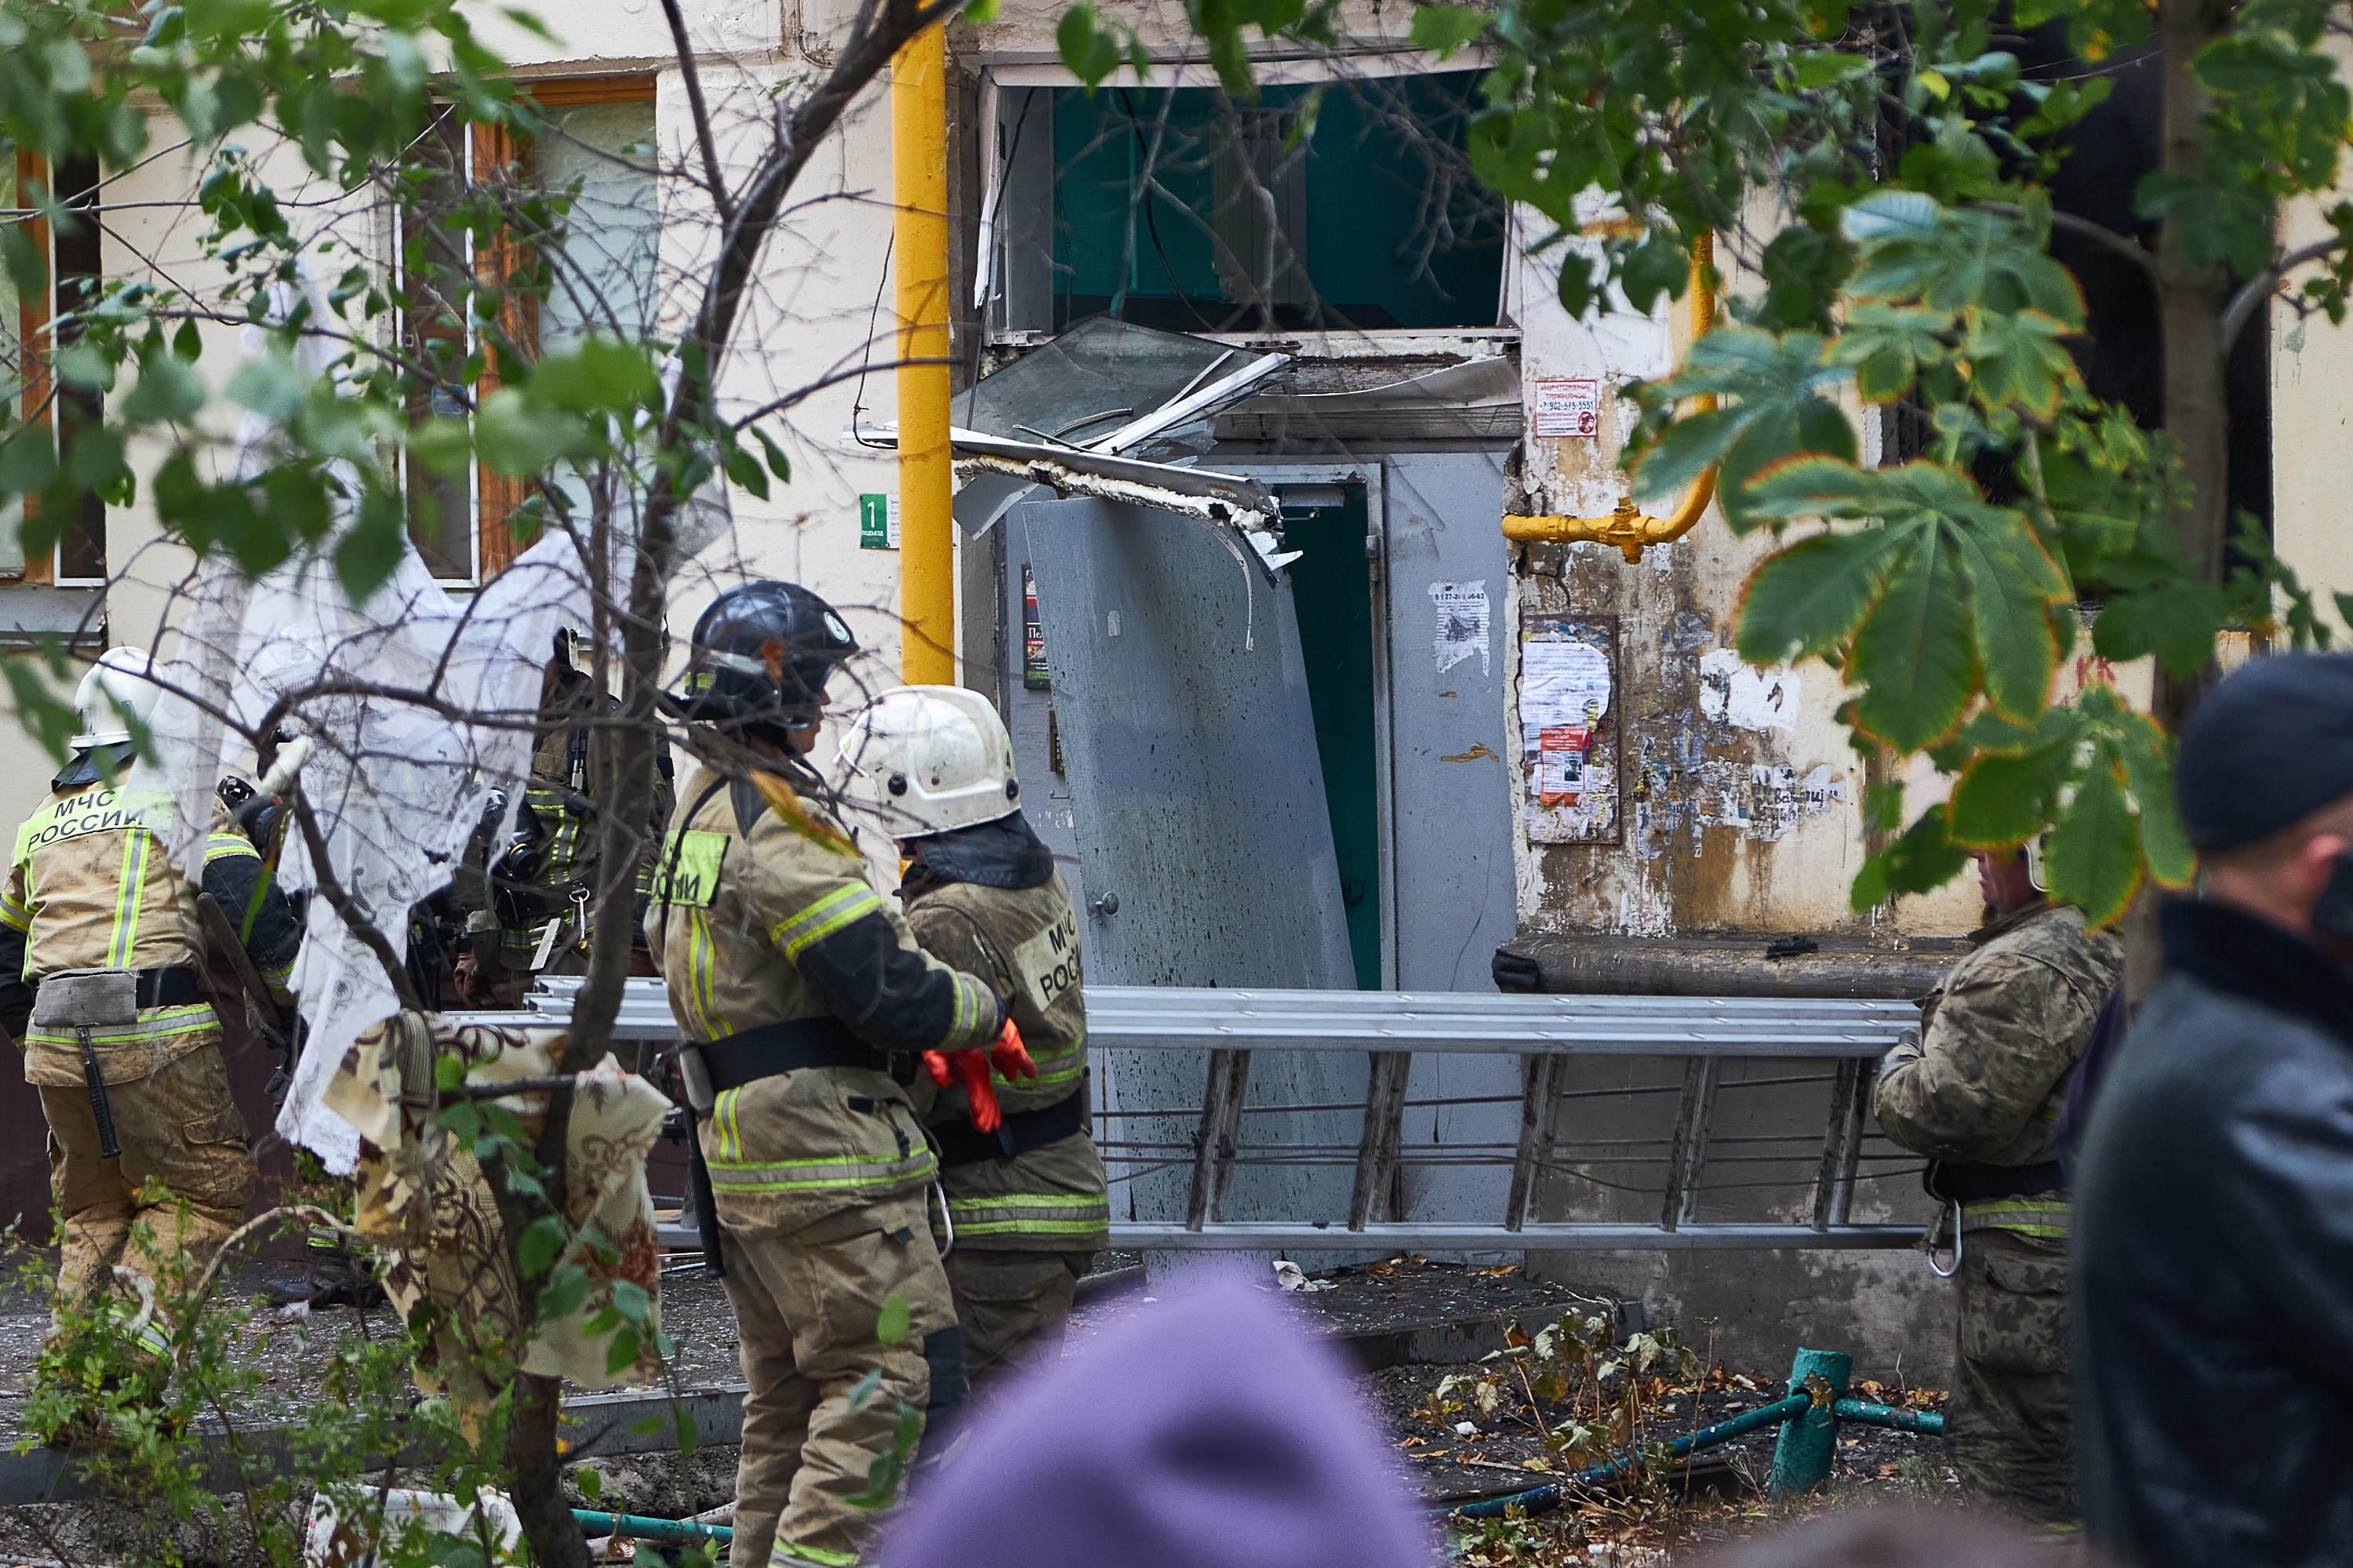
[1979, 1094]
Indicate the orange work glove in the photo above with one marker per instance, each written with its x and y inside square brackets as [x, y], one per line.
[1009, 1056]
[972, 1067]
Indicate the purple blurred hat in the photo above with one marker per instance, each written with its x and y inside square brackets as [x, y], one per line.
[1199, 1434]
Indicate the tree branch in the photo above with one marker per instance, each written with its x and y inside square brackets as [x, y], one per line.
[2253, 292]
[358, 922]
[2099, 233]
[720, 201]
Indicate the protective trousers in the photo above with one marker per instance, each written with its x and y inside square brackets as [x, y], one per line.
[807, 1305]
[1013, 1305]
[178, 1126]
[2007, 1425]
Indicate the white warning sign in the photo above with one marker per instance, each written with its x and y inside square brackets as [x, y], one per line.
[1570, 407]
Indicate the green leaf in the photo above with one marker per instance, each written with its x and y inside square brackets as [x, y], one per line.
[2017, 360]
[271, 386]
[2094, 858]
[1922, 858]
[169, 392]
[2148, 773]
[1684, 451]
[565, 1292]
[372, 548]
[2002, 801]
[622, 1353]
[745, 470]
[442, 446]
[2009, 613]
[1780, 383]
[26, 267]
[541, 1241]
[518, 435]
[1891, 214]
[1445, 30]
[1089, 52]
[1912, 655]
[1817, 68]
[778, 463]
[1659, 266]
[892, 1326]
[598, 375]
[591, 1484]
[28, 460]
[1810, 597]
[2177, 622]
[81, 365]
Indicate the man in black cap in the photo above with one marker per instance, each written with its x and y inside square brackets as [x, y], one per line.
[2213, 1234]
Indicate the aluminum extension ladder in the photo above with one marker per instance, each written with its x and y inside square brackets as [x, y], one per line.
[1392, 1027]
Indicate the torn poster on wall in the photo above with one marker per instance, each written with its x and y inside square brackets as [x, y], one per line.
[1461, 624]
[1766, 800]
[1568, 739]
[1733, 691]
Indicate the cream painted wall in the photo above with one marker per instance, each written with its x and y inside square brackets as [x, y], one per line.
[824, 306]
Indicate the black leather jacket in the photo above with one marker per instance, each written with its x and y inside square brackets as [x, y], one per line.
[2213, 1259]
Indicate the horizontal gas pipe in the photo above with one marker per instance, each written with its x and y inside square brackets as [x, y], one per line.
[1927, 1423]
[1629, 530]
[1538, 1499]
[1809, 1416]
[638, 1526]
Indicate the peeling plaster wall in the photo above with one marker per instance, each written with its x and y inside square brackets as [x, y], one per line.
[1739, 794]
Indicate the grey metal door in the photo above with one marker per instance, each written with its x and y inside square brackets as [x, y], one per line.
[1197, 801]
[1448, 583]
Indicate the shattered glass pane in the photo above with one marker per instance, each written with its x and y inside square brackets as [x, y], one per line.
[1093, 379]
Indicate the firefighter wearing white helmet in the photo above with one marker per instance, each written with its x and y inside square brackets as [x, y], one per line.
[933, 767]
[101, 950]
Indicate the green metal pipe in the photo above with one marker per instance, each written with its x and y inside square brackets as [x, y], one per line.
[1537, 1499]
[1925, 1422]
[638, 1526]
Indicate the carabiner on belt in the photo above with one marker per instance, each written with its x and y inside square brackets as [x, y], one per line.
[1928, 1242]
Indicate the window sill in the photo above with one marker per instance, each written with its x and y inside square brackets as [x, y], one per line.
[30, 610]
[1389, 342]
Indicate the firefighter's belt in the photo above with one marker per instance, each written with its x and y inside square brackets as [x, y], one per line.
[94, 997]
[961, 1143]
[771, 1048]
[1974, 1181]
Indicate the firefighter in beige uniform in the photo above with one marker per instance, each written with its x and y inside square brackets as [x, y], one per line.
[807, 1008]
[101, 944]
[934, 765]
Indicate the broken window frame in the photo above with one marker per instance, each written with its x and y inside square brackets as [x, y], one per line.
[992, 270]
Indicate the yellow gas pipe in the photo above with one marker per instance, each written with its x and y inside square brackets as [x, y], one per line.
[1631, 531]
[919, 244]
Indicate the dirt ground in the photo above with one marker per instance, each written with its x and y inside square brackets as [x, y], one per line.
[1410, 1323]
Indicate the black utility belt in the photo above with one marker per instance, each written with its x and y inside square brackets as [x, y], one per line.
[961, 1143]
[772, 1049]
[171, 987]
[1974, 1181]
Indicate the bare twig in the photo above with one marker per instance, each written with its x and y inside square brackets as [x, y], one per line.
[2242, 308]
[721, 201]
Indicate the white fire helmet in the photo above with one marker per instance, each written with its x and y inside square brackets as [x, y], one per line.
[118, 684]
[929, 759]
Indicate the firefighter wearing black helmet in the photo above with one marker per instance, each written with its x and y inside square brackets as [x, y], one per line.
[806, 1007]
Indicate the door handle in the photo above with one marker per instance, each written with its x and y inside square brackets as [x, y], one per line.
[1108, 904]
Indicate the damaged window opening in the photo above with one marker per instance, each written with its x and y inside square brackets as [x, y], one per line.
[1342, 206]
